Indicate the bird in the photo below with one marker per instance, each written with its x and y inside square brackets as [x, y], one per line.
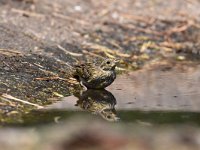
[94, 76]
[100, 102]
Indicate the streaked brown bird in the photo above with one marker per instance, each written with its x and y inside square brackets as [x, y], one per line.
[96, 76]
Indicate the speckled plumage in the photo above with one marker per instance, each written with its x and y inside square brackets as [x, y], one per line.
[99, 102]
[96, 76]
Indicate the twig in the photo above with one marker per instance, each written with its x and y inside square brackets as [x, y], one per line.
[107, 51]
[9, 50]
[70, 19]
[51, 78]
[113, 43]
[109, 55]
[65, 63]
[19, 100]
[10, 103]
[92, 54]
[179, 29]
[38, 65]
[68, 52]
[145, 19]
[27, 13]
[171, 45]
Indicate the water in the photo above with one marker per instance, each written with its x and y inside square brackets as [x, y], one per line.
[160, 95]
[176, 89]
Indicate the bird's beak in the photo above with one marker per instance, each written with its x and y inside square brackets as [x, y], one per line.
[116, 61]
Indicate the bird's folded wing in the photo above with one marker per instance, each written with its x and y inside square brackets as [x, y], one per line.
[85, 70]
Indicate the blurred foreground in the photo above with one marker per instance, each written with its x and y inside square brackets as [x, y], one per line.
[82, 134]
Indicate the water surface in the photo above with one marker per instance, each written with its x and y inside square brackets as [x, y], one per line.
[159, 95]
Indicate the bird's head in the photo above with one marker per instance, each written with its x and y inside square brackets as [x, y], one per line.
[109, 64]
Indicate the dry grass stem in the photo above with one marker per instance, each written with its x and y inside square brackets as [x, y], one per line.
[27, 13]
[19, 100]
[68, 52]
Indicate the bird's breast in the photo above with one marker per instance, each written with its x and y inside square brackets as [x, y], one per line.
[99, 80]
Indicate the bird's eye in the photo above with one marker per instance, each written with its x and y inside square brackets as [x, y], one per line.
[108, 62]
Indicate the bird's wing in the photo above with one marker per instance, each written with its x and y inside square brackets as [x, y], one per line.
[85, 70]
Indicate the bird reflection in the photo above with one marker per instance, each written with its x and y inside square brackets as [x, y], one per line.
[99, 102]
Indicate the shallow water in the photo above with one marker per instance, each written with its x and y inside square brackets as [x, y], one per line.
[155, 89]
[150, 118]
[159, 95]
[176, 89]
